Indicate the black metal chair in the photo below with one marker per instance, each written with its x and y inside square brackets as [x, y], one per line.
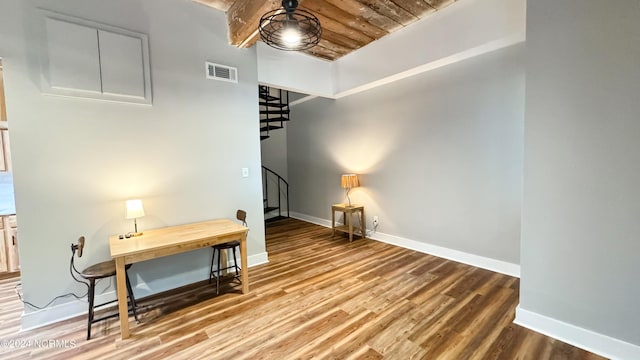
[95, 272]
[242, 216]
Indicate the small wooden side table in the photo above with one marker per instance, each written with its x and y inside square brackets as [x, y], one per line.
[348, 211]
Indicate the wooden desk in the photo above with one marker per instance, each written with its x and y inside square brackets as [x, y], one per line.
[348, 211]
[168, 241]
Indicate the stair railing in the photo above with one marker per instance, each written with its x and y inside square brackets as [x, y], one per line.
[265, 186]
[274, 109]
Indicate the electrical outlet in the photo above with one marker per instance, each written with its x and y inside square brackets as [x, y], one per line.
[375, 221]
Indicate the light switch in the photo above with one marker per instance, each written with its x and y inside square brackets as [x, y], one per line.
[245, 172]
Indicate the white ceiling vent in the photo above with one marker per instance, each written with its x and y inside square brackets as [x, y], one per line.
[222, 72]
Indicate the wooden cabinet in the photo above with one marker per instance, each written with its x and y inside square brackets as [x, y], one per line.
[8, 224]
[5, 154]
[5, 157]
[9, 261]
[3, 108]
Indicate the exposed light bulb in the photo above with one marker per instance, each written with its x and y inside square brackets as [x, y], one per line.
[291, 36]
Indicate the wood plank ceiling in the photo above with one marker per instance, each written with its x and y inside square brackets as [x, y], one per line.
[347, 25]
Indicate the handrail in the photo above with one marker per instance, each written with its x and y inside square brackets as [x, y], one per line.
[266, 170]
[276, 174]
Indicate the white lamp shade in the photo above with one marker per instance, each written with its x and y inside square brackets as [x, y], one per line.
[134, 209]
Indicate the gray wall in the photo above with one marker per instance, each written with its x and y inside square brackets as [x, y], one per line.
[76, 161]
[439, 155]
[581, 207]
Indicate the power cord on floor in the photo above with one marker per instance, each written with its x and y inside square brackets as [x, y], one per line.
[72, 268]
[50, 302]
[374, 230]
[369, 232]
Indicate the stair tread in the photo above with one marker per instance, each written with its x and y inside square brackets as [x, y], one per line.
[268, 97]
[263, 103]
[271, 127]
[270, 208]
[278, 119]
[276, 112]
[264, 137]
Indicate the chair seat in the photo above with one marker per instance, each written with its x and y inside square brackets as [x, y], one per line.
[227, 245]
[217, 272]
[101, 270]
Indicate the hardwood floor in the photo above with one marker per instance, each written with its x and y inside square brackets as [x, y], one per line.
[318, 297]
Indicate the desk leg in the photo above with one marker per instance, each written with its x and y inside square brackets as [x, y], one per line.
[245, 264]
[224, 260]
[122, 297]
[363, 224]
[350, 216]
[333, 222]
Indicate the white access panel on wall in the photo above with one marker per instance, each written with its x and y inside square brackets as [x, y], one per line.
[121, 64]
[87, 59]
[73, 56]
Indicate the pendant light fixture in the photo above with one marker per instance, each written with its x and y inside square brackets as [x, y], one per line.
[290, 28]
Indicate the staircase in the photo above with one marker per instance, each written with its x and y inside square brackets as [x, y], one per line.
[275, 191]
[274, 109]
[274, 112]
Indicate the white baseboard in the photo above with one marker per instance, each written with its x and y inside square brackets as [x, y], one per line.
[594, 342]
[499, 266]
[58, 313]
[75, 308]
[258, 259]
[311, 219]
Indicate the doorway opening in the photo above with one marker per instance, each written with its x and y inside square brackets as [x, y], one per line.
[9, 260]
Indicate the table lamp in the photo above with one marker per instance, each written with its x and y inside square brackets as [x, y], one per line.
[134, 210]
[349, 181]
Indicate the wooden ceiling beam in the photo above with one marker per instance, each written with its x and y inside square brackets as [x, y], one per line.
[243, 18]
[341, 39]
[417, 8]
[439, 4]
[222, 5]
[356, 9]
[389, 9]
[338, 14]
[347, 24]
[322, 52]
[340, 28]
[337, 48]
